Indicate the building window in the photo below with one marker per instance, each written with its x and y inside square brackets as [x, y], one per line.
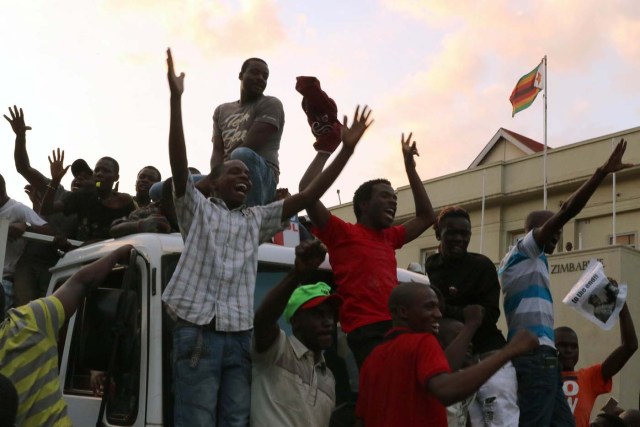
[516, 235]
[627, 239]
[426, 253]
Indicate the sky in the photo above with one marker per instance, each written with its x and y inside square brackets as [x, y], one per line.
[91, 76]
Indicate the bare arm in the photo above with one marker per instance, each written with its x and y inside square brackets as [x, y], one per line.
[318, 213]
[425, 217]
[73, 290]
[451, 388]
[309, 255]
[322, 182]
[457, 349]
[581, 196]
[177, 147]
[217, 156]
[150, 224]
[258, 134]
[20, 156]
[58, 170]
[619, 357]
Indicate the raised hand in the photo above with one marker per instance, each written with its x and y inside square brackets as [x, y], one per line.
[58, 170]
[351, 135]
[614, 162]
[309, 255]
[17, 121]
[473, 314]
[522, 342]
[409, 150]
[176, 83]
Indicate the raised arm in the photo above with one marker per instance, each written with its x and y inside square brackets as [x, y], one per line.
[309, 255]
[217, 156]
[619, 357]
[58, 171]
[425, 217]
[73, 290]
[312, 193]
[177, 147]
[318, 213]
[20, 156]
[581, 196]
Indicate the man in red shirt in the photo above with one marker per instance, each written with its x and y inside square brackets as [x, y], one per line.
[582, 387]
[362, 255]
[406, 380]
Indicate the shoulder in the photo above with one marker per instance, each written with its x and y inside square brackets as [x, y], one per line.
[271, 101]
[433, 261]
[481, 260]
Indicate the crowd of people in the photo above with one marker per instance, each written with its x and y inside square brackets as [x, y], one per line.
[427, 355]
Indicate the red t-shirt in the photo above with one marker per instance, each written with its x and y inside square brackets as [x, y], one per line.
[393, 382]
[581, 389]
[364, 267]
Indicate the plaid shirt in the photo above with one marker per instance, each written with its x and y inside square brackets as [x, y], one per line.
[216, 273]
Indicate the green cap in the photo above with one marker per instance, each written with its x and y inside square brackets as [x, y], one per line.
[309, 296]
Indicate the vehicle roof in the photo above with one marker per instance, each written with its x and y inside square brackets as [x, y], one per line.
[155, 245]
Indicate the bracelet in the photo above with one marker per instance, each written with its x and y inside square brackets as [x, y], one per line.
[52, 187]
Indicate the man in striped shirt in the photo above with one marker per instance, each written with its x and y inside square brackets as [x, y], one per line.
[524, 274]
[28, 344]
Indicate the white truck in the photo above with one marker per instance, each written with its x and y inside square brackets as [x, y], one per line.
[134, 343]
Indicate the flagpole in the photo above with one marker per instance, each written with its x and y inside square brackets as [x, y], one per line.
[613, 219]
[484, 174]
[544, 156]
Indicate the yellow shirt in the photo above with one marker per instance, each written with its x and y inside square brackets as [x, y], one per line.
[29, 358]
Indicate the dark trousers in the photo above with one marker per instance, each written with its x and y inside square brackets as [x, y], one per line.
[364, 339]
[540, 396]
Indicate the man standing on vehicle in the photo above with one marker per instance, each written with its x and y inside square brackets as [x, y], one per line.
[211, 290]
[362, 255]
[465, 278]
[524, 274]
[28, 344]
[249, 130]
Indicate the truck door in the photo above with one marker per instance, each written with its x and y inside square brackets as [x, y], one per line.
[90, 345]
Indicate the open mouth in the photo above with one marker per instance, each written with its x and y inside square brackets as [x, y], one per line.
[241, 188]
[390, 213]
[435, 328]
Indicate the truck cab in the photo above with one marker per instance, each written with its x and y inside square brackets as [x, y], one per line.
[134, 345]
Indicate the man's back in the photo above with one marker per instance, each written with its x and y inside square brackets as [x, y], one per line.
[29, 358]
[524, 274]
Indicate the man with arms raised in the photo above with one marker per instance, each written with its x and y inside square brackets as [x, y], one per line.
[582, 387]
[362, 255]
[211, 291]
[250, 130]
[524, 273]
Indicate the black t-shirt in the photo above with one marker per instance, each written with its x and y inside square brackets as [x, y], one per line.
[469, 280]
[94, 218]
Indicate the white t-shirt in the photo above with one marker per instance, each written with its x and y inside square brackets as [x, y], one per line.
[15, 211]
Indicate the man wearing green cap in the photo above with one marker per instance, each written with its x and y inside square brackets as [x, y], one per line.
[292, 385]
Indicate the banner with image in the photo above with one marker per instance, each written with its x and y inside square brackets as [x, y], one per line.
[595, 297]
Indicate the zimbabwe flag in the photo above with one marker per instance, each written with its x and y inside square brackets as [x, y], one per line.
[527, 89]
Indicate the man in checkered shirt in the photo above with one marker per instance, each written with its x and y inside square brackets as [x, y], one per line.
[211, 291]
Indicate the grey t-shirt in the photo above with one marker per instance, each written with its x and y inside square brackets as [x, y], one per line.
[232, 122]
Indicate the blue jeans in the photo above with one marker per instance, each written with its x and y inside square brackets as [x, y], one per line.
[263, 180]
[540, 397]
[217, 391]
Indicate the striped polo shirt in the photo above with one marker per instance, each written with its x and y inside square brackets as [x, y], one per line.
[524, 275]
[29, 358]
